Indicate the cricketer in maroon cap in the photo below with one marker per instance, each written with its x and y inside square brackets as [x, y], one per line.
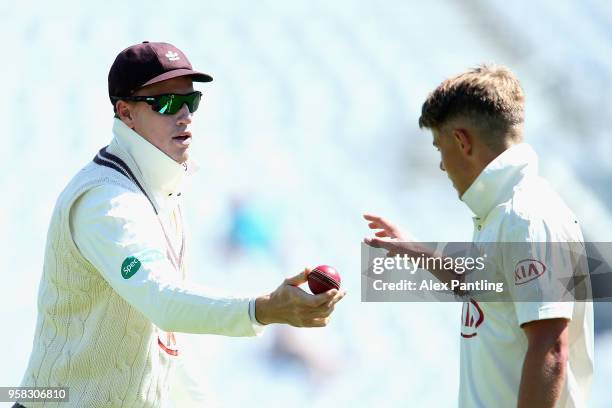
[114, 292]
[150, 69]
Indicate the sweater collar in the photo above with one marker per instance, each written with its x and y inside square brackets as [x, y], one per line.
[160, 174]
[495, 184]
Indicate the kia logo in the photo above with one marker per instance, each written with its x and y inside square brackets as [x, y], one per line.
[471, 317]
[528, 270]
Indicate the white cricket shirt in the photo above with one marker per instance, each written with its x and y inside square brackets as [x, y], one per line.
[512, 203]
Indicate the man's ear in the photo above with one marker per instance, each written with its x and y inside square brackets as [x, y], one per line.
[125, 113]
[463, 138]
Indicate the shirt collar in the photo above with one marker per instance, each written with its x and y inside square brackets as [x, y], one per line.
[496, 182]
[161, 175]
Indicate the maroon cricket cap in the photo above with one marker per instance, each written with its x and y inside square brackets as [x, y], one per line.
[148, 63]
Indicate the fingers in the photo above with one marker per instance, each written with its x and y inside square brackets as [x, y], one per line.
[371, 217]
[318, 313]
[333, 296]
[331, 305]
[384, 231]
[338, 296]
[298, 279]
[325, 297]
[329, 298]
[320, 322]
[377, 221]
[291, 305]
[327, 309]
[387, 229]
[299, 298]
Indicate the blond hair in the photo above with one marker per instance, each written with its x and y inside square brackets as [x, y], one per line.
[490, 97]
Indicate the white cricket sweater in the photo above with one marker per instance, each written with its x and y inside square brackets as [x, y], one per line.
[113, 282]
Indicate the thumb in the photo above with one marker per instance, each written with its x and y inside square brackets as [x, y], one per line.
[298, 279]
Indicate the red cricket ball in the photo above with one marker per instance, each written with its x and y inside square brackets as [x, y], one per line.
[323, 278]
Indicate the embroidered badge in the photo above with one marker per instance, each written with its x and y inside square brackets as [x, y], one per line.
[172, 56]
[129, 267]
[472, 317]
[170, 346]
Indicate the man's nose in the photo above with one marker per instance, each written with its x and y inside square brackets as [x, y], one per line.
[184, 116]
[442, 166]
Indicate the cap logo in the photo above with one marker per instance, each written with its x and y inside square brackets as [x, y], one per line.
[172, 56]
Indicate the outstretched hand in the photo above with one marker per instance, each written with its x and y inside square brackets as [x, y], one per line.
[291, 305]
[388, 236]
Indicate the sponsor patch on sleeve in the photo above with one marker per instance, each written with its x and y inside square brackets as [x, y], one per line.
[528, 270]
[132, 264]
[129, 267]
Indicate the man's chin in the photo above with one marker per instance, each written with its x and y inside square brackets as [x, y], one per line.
[180, 157]
[183, 158]
[458, 191]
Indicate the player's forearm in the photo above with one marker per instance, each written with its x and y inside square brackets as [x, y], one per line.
[226, 317]
[543, 377]
[195, 311]
[192, 309]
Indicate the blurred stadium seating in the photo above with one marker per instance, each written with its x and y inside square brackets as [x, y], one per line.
[311, 121]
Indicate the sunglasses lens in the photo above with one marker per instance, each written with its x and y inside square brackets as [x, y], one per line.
[195, 101]
[171, 104]
[164, 104]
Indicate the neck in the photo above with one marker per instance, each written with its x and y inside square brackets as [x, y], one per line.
[483, 155]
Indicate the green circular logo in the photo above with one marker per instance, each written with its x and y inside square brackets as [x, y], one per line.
[129, 267]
